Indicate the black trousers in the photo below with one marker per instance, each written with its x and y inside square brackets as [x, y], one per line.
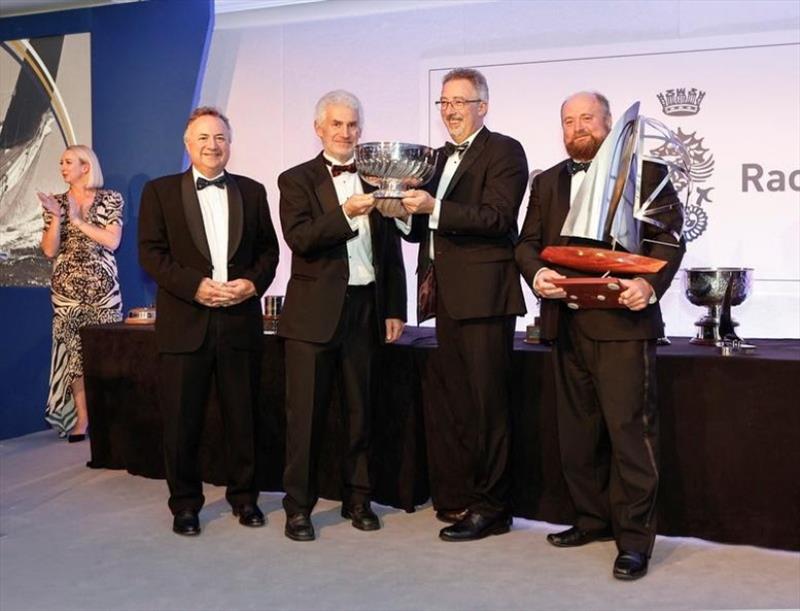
[311, 369]
[608, 433]
[467, 428]
[184, 386]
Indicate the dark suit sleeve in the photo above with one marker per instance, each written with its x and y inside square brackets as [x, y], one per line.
[419, 227]
[504, 186]
[530, 244]
[394, 274]
[660, 242]
[307, 235]
[155, 255]
[262, 272]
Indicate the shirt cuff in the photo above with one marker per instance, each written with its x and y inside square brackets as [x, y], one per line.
[433, 220]
[353, 222]
[403, 226]
[653, 299]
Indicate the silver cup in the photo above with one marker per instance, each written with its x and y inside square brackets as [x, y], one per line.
[394, 167]
[709, 286]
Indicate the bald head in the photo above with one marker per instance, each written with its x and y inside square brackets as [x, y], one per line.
[585, 122]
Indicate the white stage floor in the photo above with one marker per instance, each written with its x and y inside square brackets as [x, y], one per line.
[77, 538]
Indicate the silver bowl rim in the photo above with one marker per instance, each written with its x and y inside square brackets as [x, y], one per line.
[381, 143]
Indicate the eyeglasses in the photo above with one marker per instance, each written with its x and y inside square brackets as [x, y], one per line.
[455, 103]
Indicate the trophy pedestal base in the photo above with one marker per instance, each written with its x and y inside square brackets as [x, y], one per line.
[708, 330]
[270, 325]
[707, 333]
[701, 341]
[392, 188]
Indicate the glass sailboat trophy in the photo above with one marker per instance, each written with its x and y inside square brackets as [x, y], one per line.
[609, 209]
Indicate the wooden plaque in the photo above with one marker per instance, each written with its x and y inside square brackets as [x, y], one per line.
[591, 293]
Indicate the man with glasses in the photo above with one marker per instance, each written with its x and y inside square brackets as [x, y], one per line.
[467, 226]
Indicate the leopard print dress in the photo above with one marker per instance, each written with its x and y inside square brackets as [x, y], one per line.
[84, 291]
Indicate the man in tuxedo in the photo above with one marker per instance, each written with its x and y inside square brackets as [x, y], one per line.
[206, 238]
[346, 295]
[604, 359]
[467, 227]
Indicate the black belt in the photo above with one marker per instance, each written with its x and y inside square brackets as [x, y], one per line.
[357, 288]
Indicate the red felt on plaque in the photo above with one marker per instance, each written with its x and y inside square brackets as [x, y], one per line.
[601, 260]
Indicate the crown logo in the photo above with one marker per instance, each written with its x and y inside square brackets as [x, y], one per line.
[681, 103]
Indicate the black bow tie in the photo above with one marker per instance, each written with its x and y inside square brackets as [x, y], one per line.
[340, 169]
[573, 167]
[202, 183]
[450, 148]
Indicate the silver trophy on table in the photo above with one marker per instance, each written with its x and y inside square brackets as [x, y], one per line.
[394, 167]
[718, 289]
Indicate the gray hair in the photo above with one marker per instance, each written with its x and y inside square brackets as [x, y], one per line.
[207, 111]
[339, 97]
[94, 179]
[473, 76]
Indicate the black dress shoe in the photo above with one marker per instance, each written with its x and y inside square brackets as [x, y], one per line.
[186, 523]
[362, 516]
[476, 526]
[76, 438]
[452, 516]
[249, 515]
[575, 537]
[630, 565]
[299, 527]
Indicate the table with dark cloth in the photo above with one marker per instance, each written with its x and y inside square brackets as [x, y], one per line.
[730, 442]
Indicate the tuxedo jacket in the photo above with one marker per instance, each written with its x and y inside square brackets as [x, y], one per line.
[474, 242]
[316, 230]
[173, 250]
[547, 210]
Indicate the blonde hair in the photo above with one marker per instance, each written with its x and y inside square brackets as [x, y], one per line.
[94, 179]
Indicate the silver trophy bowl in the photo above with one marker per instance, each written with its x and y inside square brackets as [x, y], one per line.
[394, 167]
[717, 288]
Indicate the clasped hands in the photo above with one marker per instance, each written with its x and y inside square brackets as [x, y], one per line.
[224, 294]
[635, 296]
[359, 204]
[414, 201]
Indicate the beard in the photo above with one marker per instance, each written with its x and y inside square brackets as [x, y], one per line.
[584, 149]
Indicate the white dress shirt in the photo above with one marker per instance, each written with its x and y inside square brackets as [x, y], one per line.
[214, 208]
[575, 185]
[450, 167]
[359, 247]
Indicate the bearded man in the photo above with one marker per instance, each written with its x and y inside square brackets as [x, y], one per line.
[603, 359]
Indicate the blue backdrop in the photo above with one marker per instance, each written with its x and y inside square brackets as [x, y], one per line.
[148, 59]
